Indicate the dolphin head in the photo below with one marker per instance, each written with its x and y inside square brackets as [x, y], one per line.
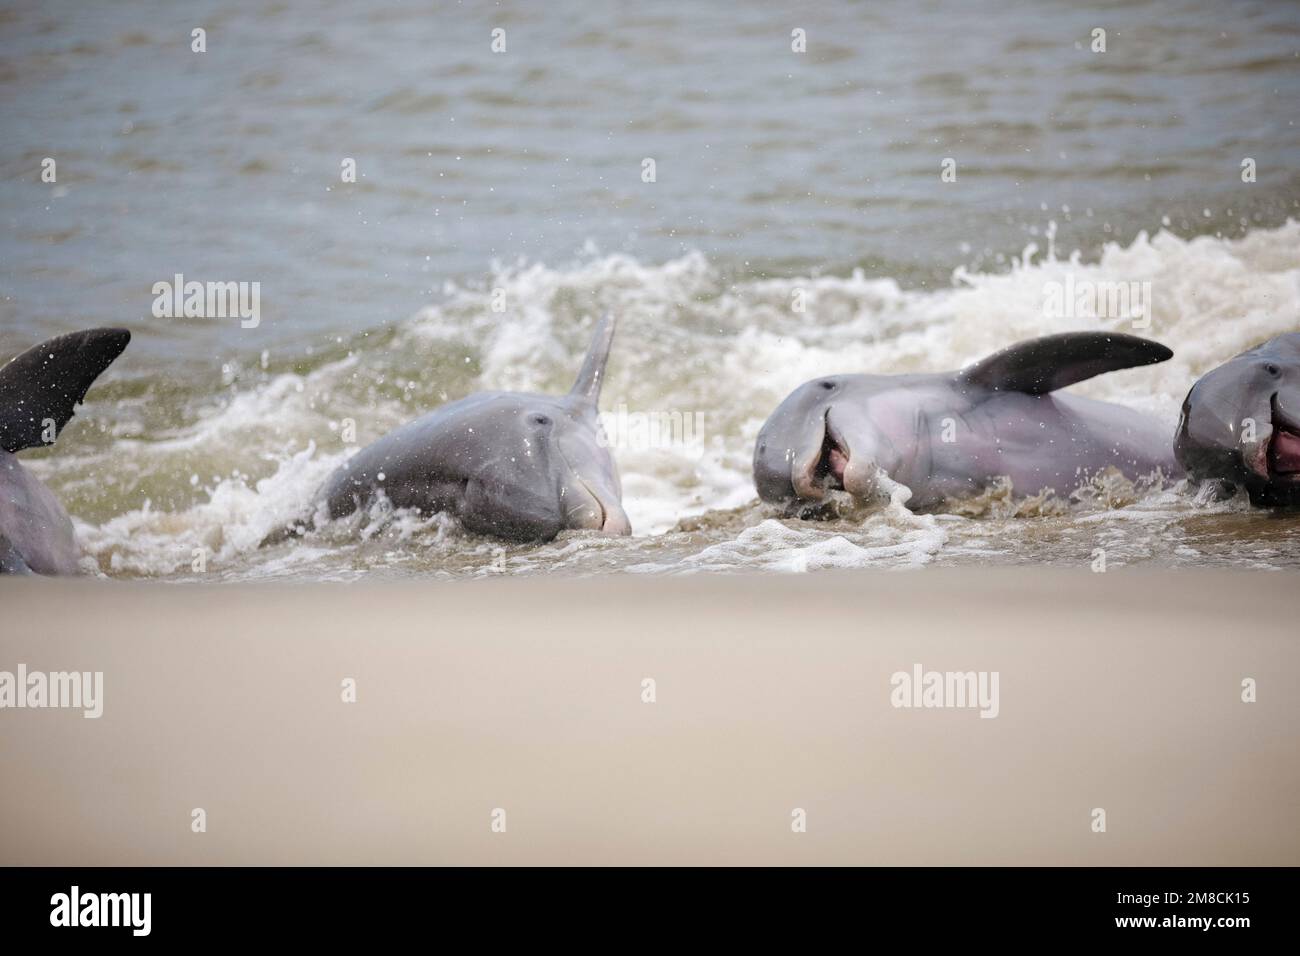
[1241, 423]
[547, 467]
[823, 437]
[538, 468]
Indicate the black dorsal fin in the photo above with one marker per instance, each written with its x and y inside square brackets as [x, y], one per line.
[1045, 364]
[46, 383]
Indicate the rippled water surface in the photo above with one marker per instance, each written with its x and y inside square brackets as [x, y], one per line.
[776, 173]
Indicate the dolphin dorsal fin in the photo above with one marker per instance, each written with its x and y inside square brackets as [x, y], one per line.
[48, 381]
[1045, 364]
[592, 374]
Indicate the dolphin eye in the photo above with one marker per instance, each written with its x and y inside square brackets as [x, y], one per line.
[541, 420]
[829, 386]
[1272, 369]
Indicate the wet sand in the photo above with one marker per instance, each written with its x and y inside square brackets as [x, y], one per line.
[1119, 691]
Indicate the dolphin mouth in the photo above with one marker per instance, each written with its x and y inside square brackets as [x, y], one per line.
[834, 458]
[823, 471]
[613, 519]
[1283, 447]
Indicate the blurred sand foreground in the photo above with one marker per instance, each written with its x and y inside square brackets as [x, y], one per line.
[1119, 691]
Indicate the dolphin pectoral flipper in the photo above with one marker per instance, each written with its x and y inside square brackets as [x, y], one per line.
[47, 382]
[1045, 364]
[592, 374]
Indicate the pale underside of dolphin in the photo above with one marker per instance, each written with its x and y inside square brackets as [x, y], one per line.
[1240, 424]
[949, 435]
[39, 392]
[514, 465]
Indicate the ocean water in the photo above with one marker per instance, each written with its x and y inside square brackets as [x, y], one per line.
[779, 176]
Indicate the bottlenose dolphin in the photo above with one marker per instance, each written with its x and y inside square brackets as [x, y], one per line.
[515, 465]
[949, 434]
[39, 392]
[1240, 424]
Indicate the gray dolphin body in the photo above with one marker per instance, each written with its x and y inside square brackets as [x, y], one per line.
[1240, 424]
[39, 392]
[950, 434]
[518, 466]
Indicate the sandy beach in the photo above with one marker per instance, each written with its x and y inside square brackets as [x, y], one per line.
[1119, 691]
